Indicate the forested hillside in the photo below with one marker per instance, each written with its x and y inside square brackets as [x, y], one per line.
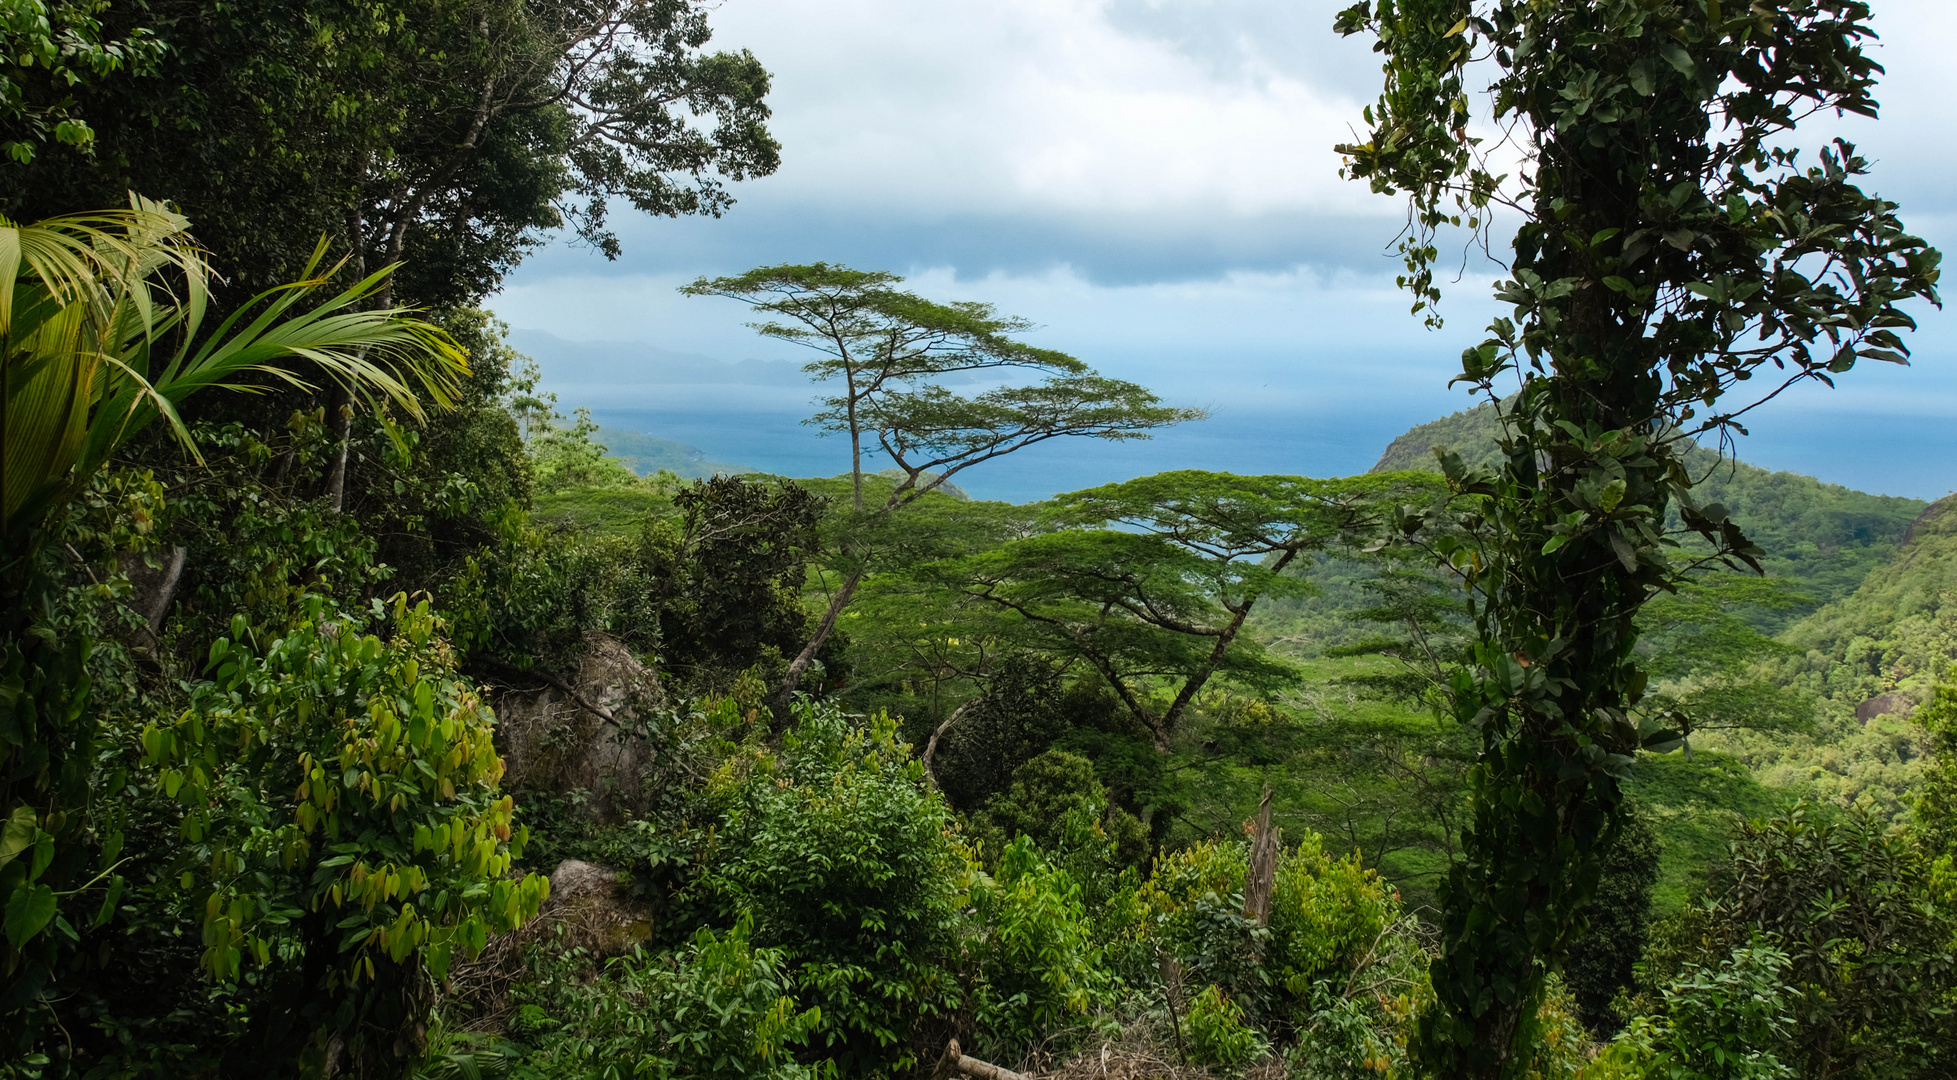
[1822, 538]
[385, 717]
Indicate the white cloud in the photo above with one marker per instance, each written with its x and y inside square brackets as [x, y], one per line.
[1153, 182]
[989, 105]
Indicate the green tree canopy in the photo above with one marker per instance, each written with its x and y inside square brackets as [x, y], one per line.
[441, 134]
[888, 348]
[1149, 582]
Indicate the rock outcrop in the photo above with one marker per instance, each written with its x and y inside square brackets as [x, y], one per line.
[582, 736]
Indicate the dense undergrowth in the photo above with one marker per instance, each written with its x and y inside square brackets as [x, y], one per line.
[380, 722]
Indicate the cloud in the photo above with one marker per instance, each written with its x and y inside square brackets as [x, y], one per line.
[1154, 182]
[1023, 105]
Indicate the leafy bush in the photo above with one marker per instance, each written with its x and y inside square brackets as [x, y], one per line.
[1720, 1022]
[846, 862]
[341, 818]
[1849, 900]
[1217, 1033]
[717, 1007]
[1031, 962]
[1195, 913]
[1056, 799]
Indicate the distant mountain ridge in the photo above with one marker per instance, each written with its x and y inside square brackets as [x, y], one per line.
[1880, 648]
[1825, 537]
[615, 362]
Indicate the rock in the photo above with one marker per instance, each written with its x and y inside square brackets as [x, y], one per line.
[596, 909]
[153, 587]
[552, 742]
[1893, 703]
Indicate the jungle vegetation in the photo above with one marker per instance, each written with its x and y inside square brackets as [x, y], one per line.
[363, 714]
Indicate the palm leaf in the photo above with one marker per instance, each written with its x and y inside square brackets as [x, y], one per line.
[90, 303]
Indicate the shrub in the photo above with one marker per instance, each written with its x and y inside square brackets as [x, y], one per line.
[1195, 905]
[847, 863]
[1032, 962]
[1217, 1033]
[1349, 971]
[1056, 800]
[341, 818]
[718, 1007]
[1722, 1022]
[1849, 901]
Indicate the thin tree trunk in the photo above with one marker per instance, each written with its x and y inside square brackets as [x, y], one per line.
[1194, 684]
[931, 747]
[800, 666]
[340, 410]
[1262, 878]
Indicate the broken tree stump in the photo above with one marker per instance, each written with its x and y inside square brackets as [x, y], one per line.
[955, 1061]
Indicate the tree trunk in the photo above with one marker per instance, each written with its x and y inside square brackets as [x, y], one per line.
[931, 747]
[1194, 684]
[785, 693]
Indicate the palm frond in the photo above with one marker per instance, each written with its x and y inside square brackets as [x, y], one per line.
[101, 319]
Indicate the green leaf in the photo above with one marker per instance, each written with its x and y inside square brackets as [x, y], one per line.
[1613, 494]
[109, 902]
[1643, 79]
[1677, 57]
[29, 910]
[17, 835]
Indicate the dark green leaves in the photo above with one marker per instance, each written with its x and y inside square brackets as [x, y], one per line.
[1660, 126]
[29, 910]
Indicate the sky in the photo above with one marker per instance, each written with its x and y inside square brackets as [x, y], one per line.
[1152, 182]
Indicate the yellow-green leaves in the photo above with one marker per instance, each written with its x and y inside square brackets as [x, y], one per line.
[101, 333]
[351, 774]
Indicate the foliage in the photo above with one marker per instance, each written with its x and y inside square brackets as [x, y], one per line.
[48, 50]
[566, 457]
[1934, 811]
[733, 592]
[1707, 660]
[1338, 963]
[101, 320]
[1869, 962]
[1661, 262]
[1892, 634]
[434, 494]
[1720, 1022]
[87, 325]
[340, 809]
[891, 349]
[845, 862]
[1218, 1035]
[443, 136]
[526, 601]
[1821, 539]
[62, 839]
[1616, 924]
[1057, 803]
[719, 1006]
[1031, 965]
[1010, 724]
[1154, 579]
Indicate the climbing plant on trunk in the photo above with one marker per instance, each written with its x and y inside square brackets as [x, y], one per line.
[1675, 242]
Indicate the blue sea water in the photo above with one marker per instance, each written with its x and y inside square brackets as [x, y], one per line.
[1329, 445]
[1920, 458]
